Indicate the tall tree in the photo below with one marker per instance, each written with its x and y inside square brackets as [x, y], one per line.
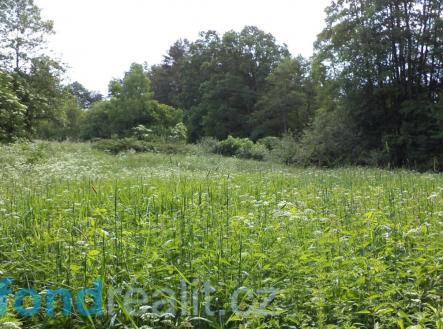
[37, 79]
[288, 102]
[85, 98]
[41, 90]
[387, 57]
[12, 112]
[223, 77]
[165, 77]
[131, 104]
[22, 33]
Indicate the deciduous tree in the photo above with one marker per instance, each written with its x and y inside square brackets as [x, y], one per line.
[22, 33]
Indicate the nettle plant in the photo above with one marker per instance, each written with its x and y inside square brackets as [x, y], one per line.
[344, 248]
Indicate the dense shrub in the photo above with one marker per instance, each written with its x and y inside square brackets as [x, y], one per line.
[179, 133]
[142, 133]
[242, 148]
[12, 112]
[131, 110]
[232, 146]
[209, 145]
[331, 140]
[176, 134]
[269, 142]
[285, 150]
[116, 146]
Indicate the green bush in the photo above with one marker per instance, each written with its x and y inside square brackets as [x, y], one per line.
[242, 148]
[142, 133]
[179, 133]
[176, 134]
[116, 146]
[269, 142]
[209, 145]
[331, 140]
[12, 112]
[256, 152]
[232, 146]
[286, 150]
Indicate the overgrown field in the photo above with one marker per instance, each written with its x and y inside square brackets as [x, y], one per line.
[346, 248]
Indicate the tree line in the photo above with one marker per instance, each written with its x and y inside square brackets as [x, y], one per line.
[370, 94]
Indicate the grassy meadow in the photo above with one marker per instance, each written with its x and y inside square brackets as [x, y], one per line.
[343, 248]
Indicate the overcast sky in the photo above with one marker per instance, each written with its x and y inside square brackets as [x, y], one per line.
[99, 39]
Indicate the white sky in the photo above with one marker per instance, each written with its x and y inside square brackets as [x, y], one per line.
[99, 39]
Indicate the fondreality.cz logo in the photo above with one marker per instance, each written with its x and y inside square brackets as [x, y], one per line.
[88, 302]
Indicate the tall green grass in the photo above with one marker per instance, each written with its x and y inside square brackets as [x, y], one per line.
[345, 248]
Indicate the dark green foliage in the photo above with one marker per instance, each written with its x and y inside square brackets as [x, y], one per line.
[165, 78]
[12, 112]
[286, 150]
[51, 109]
[386, 58]
[371, 95]
[329, 141]
[241, 147]
[66, 125]
[269, 142]
[96, 122]
[84, 97]
[226, 106]
[288, 102]
[121, 145]
[131, 104]
[35, 78]
[209, 145]
[218, 80]
[22, 33]
[421, 135]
